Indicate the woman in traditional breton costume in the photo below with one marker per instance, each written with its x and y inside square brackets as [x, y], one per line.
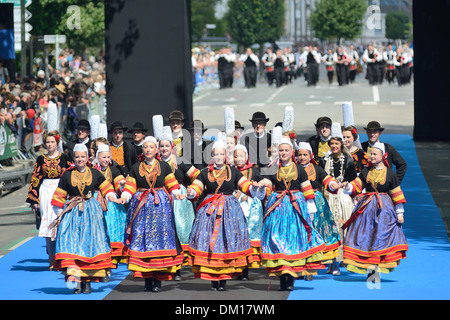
[251, 206]
[289, 243]
[83, 250]
[183, 209]
[375, 241]
[48, 169]
[323, 219]
[340, 166]
[219, 244]
[154, 251]
[116, 213]
[351, 138]
[360, 158]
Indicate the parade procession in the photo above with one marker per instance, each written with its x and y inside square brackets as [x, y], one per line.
[259, 199]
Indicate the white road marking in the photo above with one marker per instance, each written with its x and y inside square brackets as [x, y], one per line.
[376, 94]
[398, 103]
[313, 102]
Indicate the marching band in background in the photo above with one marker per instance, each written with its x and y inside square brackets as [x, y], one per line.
[282, 65]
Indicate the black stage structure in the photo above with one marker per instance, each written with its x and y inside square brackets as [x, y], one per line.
[431, 70]
[148, 60]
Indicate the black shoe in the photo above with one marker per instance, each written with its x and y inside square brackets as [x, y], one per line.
[87, 287]
[309, 277]
[244, 275]
[156, 285]
[79, 288]
[289, 283]
[148, 284]
[222, 285]
[105, 278]
[283, 282]
[214, 285]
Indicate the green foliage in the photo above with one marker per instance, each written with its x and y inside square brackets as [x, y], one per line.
[338, 19]
[50, 17]
[255, 21]
[202, 13]
[397, 25]
[91, 33]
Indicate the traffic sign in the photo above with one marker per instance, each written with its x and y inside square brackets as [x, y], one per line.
[54, 38]
[16, 2]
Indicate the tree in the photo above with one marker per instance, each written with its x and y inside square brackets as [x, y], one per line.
[397, 26]
[255, 21]
[338, 19]
[203, 13]
[90, 34]
[50, 17]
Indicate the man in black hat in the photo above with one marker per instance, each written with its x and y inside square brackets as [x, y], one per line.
[83, 135]
[176, 123]
[138, 134]
[122, 152]
[374, 130]
[319, 143]
[258, 142]
[197, 145]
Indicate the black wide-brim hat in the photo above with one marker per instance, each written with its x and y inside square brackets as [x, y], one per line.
[322, 120]
[192, 128]
[237, 125]
[176, 115]
[259, 116]
[83, 124]
[374, 125]
[138, 126]
[117, 125]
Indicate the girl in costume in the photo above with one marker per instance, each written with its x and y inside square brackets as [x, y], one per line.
[48, 169]
[340, 166]
[252, 207]
[183, 209]
[116, 213]
[375, 241]
[154, 252]
[360, 158]
[219, 244]
[289, 242]
[323, 219]
[83, 250]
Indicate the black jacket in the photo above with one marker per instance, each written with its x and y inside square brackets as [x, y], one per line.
[393, 158]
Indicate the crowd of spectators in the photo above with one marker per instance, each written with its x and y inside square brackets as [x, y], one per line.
[78, 84]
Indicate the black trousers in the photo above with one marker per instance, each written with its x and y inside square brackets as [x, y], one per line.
[330, 75]
[312, 75]
[372, 73]
[279, 76]
[228, 77]
[250, 76]
[342, 74]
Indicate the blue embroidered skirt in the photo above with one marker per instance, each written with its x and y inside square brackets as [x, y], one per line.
[284, 242]
[153, 246]
[253, 213]
[325, 225]
[374, 240]
[219, 243]
[82, 242]
[115, 222]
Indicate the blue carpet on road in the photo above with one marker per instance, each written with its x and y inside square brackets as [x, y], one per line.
[421, 276]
